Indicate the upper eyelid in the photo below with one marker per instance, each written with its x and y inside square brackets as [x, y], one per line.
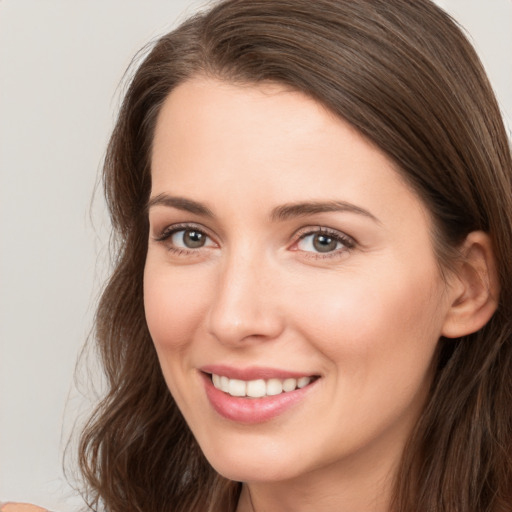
[170, 229]
[300, 233]
[311, 230]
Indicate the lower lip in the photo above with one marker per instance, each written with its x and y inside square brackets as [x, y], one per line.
[253, 410]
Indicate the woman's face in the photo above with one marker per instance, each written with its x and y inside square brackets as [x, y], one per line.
[288, 261]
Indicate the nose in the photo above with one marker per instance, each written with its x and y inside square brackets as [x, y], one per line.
[245, 305]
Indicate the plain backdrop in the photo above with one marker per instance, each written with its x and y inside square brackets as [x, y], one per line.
[61, 63]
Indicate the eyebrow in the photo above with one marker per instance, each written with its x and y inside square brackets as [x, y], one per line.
[288, 211]
[280, 213]
[181, 204]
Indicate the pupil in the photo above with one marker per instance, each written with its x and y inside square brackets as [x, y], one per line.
[193, 239]
[323, 243]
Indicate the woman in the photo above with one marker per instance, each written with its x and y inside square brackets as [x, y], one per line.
[311, 305]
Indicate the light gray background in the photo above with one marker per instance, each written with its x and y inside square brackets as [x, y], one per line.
[61, 62]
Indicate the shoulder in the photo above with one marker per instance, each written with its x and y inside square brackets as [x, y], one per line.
[20, 507]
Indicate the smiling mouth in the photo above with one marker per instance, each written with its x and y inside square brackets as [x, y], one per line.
[259, 388]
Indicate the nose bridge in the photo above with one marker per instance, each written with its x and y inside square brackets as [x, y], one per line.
[243, 305]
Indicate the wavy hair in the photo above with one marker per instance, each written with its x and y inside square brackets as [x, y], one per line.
[404, 75]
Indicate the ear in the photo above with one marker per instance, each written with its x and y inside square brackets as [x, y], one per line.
[475, 290]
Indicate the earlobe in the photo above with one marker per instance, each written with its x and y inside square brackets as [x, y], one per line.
[474, 295]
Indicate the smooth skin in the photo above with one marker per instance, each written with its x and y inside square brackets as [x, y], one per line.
[20, 507]
[243, 271]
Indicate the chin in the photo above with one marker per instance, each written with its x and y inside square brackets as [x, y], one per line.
[254, 465]
[257, 472]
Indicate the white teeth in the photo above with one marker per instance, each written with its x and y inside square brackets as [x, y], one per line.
[290, 384]
[303, 382]
[274, 387]
[237, 387]
[258, 388]
[224, 384]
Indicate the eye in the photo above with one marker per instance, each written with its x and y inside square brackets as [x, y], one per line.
[189, 239]
[318, 242]
[182, 238]
[324, 241]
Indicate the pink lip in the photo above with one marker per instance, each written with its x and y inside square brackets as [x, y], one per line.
[252, 410]
[252, 372]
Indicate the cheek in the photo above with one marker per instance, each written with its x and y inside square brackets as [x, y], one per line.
[379, 339]
[173, 306]
[370, 327]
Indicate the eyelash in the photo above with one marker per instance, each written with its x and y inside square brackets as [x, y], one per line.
[169, 231]
[346, 241]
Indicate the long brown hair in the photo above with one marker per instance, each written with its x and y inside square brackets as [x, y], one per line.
[402, 73]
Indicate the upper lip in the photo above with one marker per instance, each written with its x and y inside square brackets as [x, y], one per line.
[253, 372]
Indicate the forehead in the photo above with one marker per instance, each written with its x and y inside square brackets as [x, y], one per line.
[223, 115]
[267, 144]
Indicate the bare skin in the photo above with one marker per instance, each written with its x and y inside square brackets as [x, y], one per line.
[21, 507]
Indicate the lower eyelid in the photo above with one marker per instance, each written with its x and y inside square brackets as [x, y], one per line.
[165, 236]
[179, 249]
